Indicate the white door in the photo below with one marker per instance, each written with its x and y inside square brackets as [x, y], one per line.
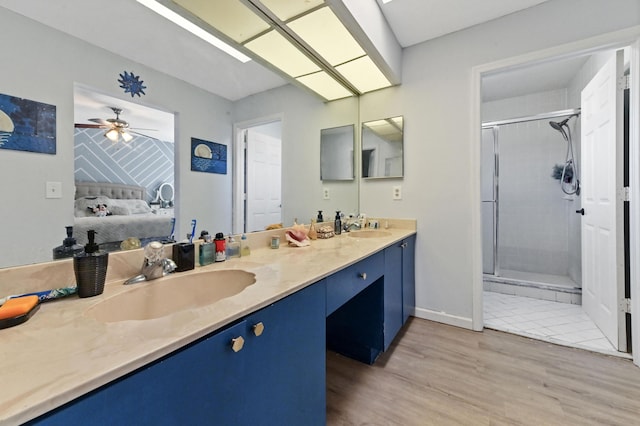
[602, 228]
[263, 171]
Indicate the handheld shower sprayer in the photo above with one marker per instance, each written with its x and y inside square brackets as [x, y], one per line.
[570, 165]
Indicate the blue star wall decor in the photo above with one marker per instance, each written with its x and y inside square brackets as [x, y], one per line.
[131, 84]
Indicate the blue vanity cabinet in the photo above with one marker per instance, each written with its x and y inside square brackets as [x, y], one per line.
[276, 377]
[392, 292]
[399, 287]
[285, 364]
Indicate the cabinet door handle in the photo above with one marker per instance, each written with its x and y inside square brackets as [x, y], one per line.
[363, 275]
[258, 328]
[237, 344]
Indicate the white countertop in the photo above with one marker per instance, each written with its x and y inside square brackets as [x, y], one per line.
[60, 353]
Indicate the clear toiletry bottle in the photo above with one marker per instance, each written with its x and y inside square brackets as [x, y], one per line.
[69, 247]
[337, 224]
[313, 233]
[207, 251]
[233, 248]
[245, 250]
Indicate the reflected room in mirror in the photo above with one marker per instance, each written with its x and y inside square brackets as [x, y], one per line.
[336, 153]
[382, 150]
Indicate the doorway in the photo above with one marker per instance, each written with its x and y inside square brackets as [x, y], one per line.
[532, 252]
[258, 175]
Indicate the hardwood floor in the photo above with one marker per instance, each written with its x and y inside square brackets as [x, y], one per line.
[435, 374]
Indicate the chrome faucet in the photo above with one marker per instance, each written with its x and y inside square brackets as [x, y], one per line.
[154, 265]
[348, 227]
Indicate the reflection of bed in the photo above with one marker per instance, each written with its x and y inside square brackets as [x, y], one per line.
[130, 216]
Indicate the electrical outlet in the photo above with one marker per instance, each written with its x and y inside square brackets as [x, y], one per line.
[397, 192]
[325, 193]
[53, 190]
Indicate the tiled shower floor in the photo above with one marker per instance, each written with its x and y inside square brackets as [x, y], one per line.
[560, 323]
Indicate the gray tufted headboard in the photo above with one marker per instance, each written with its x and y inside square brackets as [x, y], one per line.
[112, 190]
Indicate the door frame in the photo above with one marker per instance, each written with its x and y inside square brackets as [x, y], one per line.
[237, 217]
[617, 39]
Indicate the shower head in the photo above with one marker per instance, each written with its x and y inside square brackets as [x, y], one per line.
[559, 126]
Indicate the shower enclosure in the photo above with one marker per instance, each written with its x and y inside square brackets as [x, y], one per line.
[531, 232]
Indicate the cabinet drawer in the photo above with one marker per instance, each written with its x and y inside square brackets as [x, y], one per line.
[345, 284]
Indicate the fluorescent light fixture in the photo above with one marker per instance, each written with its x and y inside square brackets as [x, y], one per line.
[324, 85]
[323, 31]
[232, 18]
[278, 51]
[385, 1]
[287, 9]
[303, 39]
[194, 29]
[364, 74]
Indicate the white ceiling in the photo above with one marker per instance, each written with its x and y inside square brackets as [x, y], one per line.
[131, 30]
[415, 21]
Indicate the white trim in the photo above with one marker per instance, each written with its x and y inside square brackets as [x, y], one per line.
[444, 318]
[616, 39]
[237, 216]
[476, 199]
[634, 195]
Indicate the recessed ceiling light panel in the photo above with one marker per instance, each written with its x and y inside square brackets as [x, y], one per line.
[278, 51]
[324, 33]
[364, 75]
[324, 85]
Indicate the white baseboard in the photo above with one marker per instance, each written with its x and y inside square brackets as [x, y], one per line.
[444, 318]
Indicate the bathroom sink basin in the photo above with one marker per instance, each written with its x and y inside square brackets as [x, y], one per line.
[171, 294]
[371, 233]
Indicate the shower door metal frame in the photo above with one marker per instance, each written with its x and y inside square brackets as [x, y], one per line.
[495, 126]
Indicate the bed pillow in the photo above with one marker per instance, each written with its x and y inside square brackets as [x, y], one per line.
[127, 207]
[83, 204]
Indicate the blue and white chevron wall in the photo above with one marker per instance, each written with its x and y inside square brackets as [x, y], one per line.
[142, 161]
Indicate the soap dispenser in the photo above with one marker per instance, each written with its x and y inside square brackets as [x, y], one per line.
[69, 247]
[337, 224]
[90, 268]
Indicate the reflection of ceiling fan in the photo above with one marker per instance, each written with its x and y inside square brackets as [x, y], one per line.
[116, 127]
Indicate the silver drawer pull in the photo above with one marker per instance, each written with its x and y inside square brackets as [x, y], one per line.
[403, 245]
[363, 275]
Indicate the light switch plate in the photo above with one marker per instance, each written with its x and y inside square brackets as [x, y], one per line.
[325, 193]
[397, 192]
[53, 190]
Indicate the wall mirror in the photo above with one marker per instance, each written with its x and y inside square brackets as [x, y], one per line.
[382, 148]
[336, 153]
[197, 113]
[166, 195]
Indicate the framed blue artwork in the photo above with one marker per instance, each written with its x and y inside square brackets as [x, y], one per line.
[27, 125]
[209, 157]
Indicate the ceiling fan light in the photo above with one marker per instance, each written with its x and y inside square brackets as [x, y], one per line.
[126, 136]
[112, 135]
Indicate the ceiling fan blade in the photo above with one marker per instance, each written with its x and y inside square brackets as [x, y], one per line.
[90, 126]
[142, 134]
[100, 121]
